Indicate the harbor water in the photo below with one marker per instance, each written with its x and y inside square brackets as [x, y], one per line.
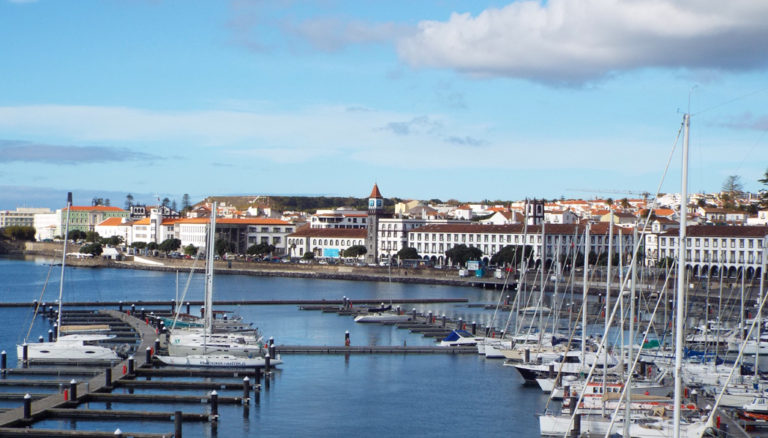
[311, 395]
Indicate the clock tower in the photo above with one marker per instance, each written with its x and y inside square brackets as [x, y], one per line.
[375, 209]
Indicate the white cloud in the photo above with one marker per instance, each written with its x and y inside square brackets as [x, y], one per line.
[573, 41]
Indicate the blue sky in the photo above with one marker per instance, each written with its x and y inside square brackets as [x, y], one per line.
[430, 99]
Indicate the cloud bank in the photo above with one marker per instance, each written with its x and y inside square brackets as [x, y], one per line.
[577, 41]
[16, 150]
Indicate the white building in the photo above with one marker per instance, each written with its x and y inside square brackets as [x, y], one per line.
[47, 226]
[711, 249]
[22, 217]
[339, 218]
[242, 232]
[115, 226]
[432, 241]
[393, 233]
[324, 242]
[560, 217]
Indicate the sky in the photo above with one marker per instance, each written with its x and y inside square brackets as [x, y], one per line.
[446, 99]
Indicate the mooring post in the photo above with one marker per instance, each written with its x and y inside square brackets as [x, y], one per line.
[551, 371]
[443, 320]
[133, 309]
[25, 353]
[246, 390]
[346, 338]
[130, 365]
[27, 406]
[120, 306]
[459, 324]
[177, 424]
[3, 361]
[73, 390]
[413, 314]
[576, 432]
[40, 339]
[148, 356]
[108, 377]
[474, 327]
[50, 335]
[267, 358]
[430, 317]
[214, 406]
[257, 375]
[272, 346]
[157, 345]
[118, 433]
[257, 392]
[188, 308]
[173, 307]
[527, 355]
[143, 314]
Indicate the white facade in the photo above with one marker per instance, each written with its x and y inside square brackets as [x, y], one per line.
[711, 249]
[561, 217]
[339, 218]
[119, 227]
[324, 243]
[22, 217]
[47, 226]
[433, 241]
[393, 233]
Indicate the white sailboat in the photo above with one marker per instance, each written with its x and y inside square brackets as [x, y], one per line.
[200, 347]
[80, 348]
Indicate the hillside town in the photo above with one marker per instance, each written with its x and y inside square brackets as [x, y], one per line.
[725, 238]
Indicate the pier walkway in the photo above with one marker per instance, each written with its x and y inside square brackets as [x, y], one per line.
[97, 383]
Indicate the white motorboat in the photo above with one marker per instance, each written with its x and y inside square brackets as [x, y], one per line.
[759, 405]
[569, 363]
[460, 338]
[655, 428]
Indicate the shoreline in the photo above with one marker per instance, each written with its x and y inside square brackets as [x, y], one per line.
[433, 276]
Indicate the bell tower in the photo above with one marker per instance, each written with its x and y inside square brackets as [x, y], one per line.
[375, 209]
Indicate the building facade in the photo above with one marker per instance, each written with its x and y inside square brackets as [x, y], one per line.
[324, 242]
[712, 250]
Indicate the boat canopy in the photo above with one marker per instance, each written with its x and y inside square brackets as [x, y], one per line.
[457, 334]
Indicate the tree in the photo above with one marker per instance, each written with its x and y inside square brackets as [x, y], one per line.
[139, 245]
[128, 201]
[309, 255]
[732, 185]
[764, 192]
[185, 204]
[223, 246]
[92, 236]
[166, 202]
[112, 241]
[17, 232]
[408, 254]
[260, 249]
[93, 249]
[624, 203]
[169, 245]
[190, 250]
[511, 254]
[173, 205]
[460, 254]
[97, 201]
[355, 251]
[76, 235]
[107, 203]
[152, 246]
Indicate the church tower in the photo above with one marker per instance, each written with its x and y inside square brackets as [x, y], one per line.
[375, 209]
[534, 211]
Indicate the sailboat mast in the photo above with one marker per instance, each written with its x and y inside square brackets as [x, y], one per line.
[585, 291]
[680, 305]
[607, 300]
[209, 270]
[63, 264]
[541, 288]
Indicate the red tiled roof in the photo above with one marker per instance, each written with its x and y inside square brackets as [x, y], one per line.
[112, 222]
[375, 192]
[234, 221]
[722, 231]
[95, 208]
